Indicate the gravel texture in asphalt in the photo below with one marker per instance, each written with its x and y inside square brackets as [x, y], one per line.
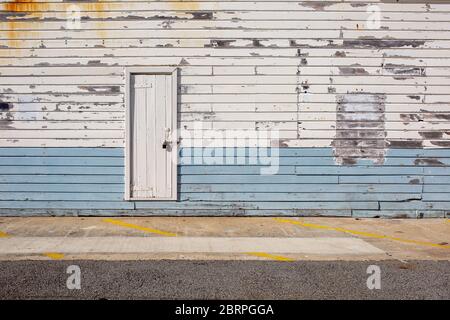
[169, 279]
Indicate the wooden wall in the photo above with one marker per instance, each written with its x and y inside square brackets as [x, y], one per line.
[243, 64]
[86, 181]
[311, 69]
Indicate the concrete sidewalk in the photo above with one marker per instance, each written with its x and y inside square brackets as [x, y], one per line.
[224, 238]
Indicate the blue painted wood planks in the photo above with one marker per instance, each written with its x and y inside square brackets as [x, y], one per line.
[411, 182]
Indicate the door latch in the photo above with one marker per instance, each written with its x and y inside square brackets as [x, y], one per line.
[167, 140]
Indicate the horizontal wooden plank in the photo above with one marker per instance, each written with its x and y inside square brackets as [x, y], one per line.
[61, 161]
[443, 188]
[298, 197]
[284, 143]
[328, 152]
[255, 179]
[260, 205]
[14, 73]
[56, 143]
[62, 115]
[55, 187]
[313, 188]
[326, 116]
[187, 205]
[305, 98]
[58, 152]
[422, 213]
[355, 145]
[221, 6]
[221, 116]
[389, 126]
[395, 179]
[62, 89]
[436, 179]
[231, 52]
[66, 107]
[438, 197]
[61, 97]
[224, 169]
[295, 196]
[15, 80]
[224, 61]
[437, 171]
[42, 125]
[57, 170]
[351, 14]
[61, 134]
[311, 80]
[62, 178]
[358, 170]
[172, 212]
[186, 152]
[414, 205]
[66, 205]
[238, 116]
[210, 158]
[155, 24]
[316, 43]
[311, 89]
[271, 44]
[374, 133]
[58, 196]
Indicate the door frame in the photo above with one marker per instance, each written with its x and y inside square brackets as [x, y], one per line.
[150, 71]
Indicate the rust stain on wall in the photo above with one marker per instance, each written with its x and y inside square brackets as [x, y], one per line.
[16, 8]
[25, 6]
[360, 128]
[184, 5]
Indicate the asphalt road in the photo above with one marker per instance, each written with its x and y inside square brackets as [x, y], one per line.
[224, 280]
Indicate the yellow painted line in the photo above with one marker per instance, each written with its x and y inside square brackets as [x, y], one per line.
[3, 234]
[54, 255]
[361, 233]
[270, 256]
[140, 228]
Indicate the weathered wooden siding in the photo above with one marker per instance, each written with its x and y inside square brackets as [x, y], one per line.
[246, 64]
[91, 180]
[311, 69]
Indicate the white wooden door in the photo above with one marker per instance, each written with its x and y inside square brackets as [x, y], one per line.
[152, 146]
